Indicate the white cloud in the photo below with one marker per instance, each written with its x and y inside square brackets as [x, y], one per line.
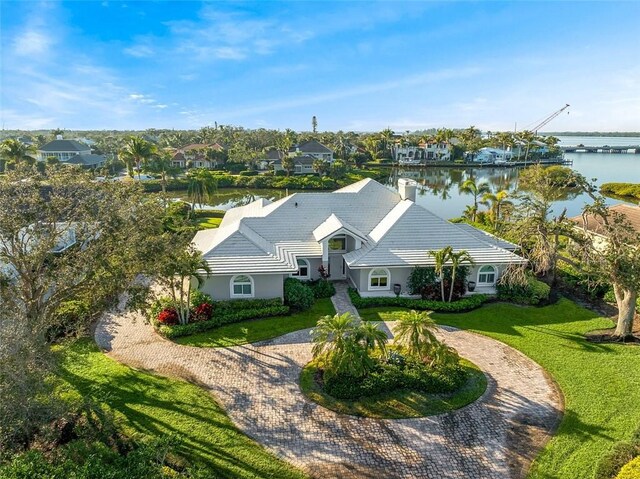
[30, 43]
[140, 51]
[136, 96]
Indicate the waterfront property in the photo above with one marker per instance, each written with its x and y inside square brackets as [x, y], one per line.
[365, 234]
[420, 154]
[594, 227]
[303, 156]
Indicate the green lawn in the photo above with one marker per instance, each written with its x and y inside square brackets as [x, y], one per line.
[259, 329]
[154, 406]
[208, 223]
[397, 404]
[600, 382]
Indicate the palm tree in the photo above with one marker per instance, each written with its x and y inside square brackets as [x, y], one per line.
[371, 144]
[371, 337]
[386, 136]
[202, 186]
[14, 152]
[414, 332]
[497, 201]
[335, 343]
[441, 257]
[476, 189]
[457, 259]
[137, 151]
[162, 165]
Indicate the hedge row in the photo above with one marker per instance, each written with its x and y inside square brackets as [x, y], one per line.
[227, 318]
[459, 306]
[630, 190]
[533, 293]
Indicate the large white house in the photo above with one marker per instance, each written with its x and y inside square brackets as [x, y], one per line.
[71, 152]
[364, 233]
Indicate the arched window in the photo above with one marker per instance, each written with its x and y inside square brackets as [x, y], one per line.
[487, 275]
[379, 278]
[242, 286]
[303, 269]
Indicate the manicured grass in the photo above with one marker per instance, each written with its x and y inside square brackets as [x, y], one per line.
[208, 223]
[600, 382]
[150, 405]
[259, 329]
[397, 404]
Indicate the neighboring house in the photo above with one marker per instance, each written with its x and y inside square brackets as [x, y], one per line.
[424, 152]
[62, 149]
[364, 233]
[593, 226]
[195, 155]
[491, 155]
[71, 152]
[314, 149]
[302, 165]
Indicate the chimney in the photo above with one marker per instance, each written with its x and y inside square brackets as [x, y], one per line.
[407, 189]
[58, 137]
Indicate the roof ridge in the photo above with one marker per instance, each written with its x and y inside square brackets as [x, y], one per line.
[390, 219]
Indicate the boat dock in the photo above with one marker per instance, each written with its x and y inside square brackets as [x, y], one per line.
[631, 149]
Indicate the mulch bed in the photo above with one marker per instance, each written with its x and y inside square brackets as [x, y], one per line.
[605, 335]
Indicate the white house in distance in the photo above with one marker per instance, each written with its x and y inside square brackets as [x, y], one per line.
[364, 233]
[422, 153]
[71, 152]
[492, 155]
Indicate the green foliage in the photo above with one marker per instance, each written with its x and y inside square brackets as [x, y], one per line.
[461, 305]
[71, 316]
[630, 190]
[388, 377]
[321, 288]
[198, 298]
[533, 293]
[630, 470]
[248, 173]
[414, 334]
[420, 278]
[297, 295]
[220, 318]
[620, 454]
[93, 460]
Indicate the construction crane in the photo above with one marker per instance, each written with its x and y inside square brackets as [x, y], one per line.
[548, 119]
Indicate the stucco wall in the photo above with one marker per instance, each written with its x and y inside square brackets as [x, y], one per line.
[314, 264]
[397, 275]
[265, 286]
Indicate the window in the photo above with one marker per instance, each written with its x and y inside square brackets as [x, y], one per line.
[242, 286]
[338, 243]
[303, 269]
[379, 278]
[487, 275]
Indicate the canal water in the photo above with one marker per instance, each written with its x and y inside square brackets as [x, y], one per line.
[439, 187]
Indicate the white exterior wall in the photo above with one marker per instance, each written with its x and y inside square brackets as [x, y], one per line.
[265, 286]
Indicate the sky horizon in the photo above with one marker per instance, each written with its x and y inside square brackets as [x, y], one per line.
[356, 66]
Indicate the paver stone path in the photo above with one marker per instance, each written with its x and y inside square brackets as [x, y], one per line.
[495, 437]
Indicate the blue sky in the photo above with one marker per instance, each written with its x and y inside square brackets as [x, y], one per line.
[355, 65]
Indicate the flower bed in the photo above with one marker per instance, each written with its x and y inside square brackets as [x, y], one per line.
[459, 306]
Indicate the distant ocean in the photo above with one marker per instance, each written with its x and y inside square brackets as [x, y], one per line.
[599, 140]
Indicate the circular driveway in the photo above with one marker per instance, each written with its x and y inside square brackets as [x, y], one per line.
[495, 437]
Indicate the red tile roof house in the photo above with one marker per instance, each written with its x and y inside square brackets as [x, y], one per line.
[365, 233]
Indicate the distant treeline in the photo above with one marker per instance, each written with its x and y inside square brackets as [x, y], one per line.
[626, 190]
[592, 133]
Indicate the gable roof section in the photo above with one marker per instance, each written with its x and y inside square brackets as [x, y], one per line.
[86, 160]
[312, 146]
[64, 145]
[409, 232]
[488, 237]
[333, 225]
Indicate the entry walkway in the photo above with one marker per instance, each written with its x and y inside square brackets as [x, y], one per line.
[341, 300]
[495, 437]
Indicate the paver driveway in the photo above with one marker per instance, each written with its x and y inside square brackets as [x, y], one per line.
[495, 437]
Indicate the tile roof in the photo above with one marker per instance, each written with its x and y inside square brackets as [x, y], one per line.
[86, 160]
[312, 146]
[267, 237]
[594, 224]
[64, 145]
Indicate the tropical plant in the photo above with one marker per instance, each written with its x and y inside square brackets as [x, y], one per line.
[137, 151]
[202, 186]
[441, 257]
[371, 337]
[161, 164]
[457, 259]
[496, 201]
[414, 333]
[15, 153]
[371, 144]
[470, 187]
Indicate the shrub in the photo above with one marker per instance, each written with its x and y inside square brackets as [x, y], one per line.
[390, 377]
[198, 298]
[168, 316]
[222, 308]
[533, 293]
[71, 316]
[321, 288]
[297, 295]
[158, 305]
[620, 454]
[459, 306]
[202, 312]
[631, 470]
[218, 320]
[248, 173]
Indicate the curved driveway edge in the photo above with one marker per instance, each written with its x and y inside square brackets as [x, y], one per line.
[495, 437]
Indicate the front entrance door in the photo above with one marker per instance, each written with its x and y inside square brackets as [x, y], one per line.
[337, 267]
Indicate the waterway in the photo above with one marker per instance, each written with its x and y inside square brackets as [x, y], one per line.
[438, 187]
